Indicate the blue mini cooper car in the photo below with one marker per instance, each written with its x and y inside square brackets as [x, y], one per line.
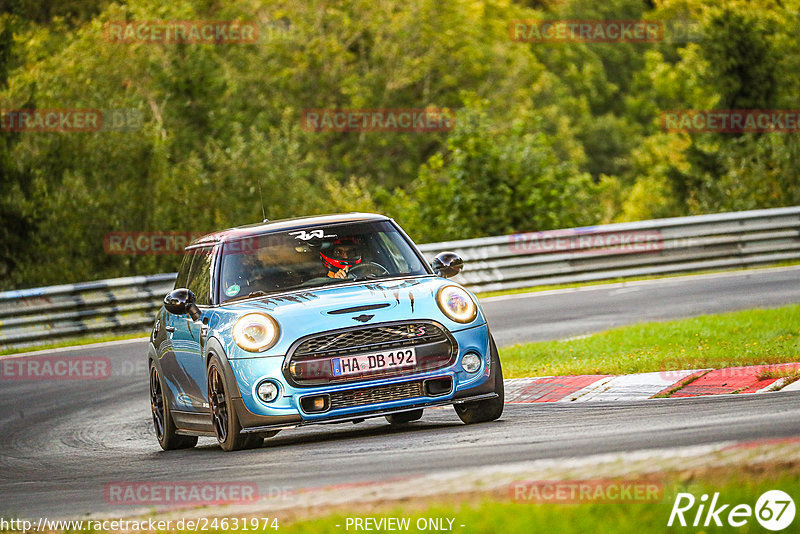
[322, 319]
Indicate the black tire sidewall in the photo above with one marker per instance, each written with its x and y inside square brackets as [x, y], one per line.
[171, 440]
[490, 409]
[235, 440]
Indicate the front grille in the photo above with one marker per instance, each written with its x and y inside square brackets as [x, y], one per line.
[309, 360]
[371, 338]
[374, 395]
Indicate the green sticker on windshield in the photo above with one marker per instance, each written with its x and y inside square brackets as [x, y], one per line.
[233, 290]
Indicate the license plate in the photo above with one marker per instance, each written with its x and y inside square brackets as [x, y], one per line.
[377, 361]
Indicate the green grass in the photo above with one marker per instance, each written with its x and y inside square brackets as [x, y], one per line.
[545, 287]
[498, 512]
[748, 337]
[74, 342]
[505, 516]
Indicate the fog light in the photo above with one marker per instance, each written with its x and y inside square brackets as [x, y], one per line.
[267, 391]
[315, 404]
[471, 362]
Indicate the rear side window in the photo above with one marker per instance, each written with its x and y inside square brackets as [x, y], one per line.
[199, 281]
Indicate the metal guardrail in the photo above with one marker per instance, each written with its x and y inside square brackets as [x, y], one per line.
[45, 314]
[660, 246]
[682, 244]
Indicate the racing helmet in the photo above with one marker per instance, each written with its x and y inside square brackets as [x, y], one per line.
[341, 253]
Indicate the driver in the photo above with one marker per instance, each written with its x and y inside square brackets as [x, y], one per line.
[340, 255]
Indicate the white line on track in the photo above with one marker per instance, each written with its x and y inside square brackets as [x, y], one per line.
[75, 347]
[652, 281]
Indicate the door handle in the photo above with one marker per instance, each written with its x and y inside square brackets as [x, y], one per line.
[169, 329]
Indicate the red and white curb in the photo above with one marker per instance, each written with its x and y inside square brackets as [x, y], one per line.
[686, 383]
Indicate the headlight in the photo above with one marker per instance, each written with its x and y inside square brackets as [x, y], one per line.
[456, 304]
[255, 332]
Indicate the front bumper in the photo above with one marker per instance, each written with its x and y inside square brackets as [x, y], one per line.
[364, 415]
[287, 411]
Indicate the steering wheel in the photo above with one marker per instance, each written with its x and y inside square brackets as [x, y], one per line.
[368, 268]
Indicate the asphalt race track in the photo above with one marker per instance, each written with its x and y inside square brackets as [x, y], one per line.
[63, 441]
[565, 313]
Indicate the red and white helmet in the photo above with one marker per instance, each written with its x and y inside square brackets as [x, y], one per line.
[334, 256]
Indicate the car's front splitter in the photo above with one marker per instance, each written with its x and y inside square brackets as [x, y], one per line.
[368, 414]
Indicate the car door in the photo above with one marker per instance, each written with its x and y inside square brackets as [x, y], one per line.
[189, 335]
[172, 371]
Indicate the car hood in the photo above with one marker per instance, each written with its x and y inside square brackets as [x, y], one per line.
[320, 309]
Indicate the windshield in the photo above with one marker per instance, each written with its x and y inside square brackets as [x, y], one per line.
[314, 257]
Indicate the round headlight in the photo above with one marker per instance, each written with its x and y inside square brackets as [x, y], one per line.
[457, 304]
[267, 391]
[255, 332]
[471, 362]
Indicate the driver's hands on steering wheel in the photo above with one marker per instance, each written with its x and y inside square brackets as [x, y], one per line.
[341, 273]
[352, 273]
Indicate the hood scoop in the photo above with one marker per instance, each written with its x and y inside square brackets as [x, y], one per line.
[356, 309]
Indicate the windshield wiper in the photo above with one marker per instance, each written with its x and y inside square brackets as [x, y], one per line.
[249, 295]
[369, 277]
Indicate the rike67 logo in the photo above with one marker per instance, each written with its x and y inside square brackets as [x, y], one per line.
[774, 510]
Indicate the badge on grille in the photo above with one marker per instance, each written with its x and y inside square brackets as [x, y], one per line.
[417, 331]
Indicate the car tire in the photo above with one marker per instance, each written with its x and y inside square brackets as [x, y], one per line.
[223, 417]
[403, 418]
[490, 409]
[163, 424]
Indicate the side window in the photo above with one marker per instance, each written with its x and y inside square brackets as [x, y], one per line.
[183, 272]
[199, 281]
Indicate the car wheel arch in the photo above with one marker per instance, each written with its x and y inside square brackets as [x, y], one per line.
[213, 347]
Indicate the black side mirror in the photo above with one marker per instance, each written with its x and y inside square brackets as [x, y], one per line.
[180, 302]
[447, 264]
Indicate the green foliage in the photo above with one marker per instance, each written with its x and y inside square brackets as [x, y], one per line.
[547, 135]
[742, 62]
[495, 180]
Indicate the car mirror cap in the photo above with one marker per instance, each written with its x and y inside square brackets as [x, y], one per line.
[180, 302]
[447, 264]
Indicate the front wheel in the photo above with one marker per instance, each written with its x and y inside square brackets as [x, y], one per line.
[490, 409]
[226, 424]
[163, 423]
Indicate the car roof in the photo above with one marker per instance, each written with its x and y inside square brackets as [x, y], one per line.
[284, 224]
